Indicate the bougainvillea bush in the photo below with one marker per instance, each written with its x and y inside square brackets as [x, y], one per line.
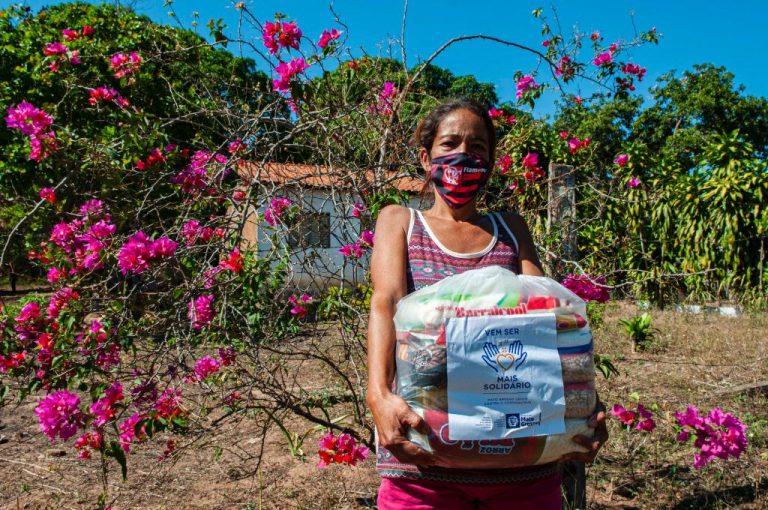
[137, 162]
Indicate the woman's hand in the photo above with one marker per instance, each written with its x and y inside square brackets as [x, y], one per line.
[393, 417]
[597, 422]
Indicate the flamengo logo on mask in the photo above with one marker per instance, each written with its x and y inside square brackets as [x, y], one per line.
[452, 175]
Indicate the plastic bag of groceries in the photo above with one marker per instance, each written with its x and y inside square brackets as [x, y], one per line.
[499, 365]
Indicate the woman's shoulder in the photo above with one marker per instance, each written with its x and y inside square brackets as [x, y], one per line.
[392, 216]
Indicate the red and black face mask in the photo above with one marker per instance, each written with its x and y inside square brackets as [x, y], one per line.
[459, 177]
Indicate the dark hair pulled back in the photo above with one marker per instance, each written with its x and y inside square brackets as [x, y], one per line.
[426, 131]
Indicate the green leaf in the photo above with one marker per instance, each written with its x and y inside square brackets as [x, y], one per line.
[116, 451]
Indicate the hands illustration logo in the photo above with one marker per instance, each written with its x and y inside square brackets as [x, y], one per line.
[496, 359]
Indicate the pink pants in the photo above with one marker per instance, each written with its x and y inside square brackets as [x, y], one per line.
[399, 493]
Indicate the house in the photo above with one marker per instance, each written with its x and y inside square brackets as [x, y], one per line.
[323, 199]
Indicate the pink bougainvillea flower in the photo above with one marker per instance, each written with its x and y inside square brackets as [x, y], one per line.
[54, 48]
[91, 440]
[385, 99]
[41, 145]
[227, 356]
[106, 95]
[504, 163]
[125, 64]
[575, 145]
[135, 254]
[495, 113]
[524, 84]
[233, 262]
[531, 160]
[28, 119]
[104, 409]
[128, 433]
[326, 37]
[236, 146]
[298, 309]
[87, 31]
[59, 415]
[286, 72]
[634, 70]
[340, 450]
[70, 35]
[625, 416]
[275, 209]
[74, 57]
[351, 250]
[59, 300]
[603, 59]
[200, 311]
[633, 182]
[55, 274]
[621, 160]
[588, 288]
[206, 366]
[358, 208]
[718, 435]
[280, 35]
[565, 68]
[563, 134]
[366, 238]
[163, 247]
[645, 423]
[595, 36]
[510, 119]
[48, 194]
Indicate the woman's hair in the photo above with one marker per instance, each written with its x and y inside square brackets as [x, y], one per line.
[426, 131]
[427, 128]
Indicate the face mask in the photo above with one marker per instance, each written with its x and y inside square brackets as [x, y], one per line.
[459, 177]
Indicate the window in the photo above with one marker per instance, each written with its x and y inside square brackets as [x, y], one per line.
[312, 230]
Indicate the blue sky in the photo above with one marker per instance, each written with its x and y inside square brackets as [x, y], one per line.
[728, 34]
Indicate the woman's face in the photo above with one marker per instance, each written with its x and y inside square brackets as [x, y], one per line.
[459, 131]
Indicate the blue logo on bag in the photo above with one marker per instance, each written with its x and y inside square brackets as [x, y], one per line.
[513, 421]
[501, 360]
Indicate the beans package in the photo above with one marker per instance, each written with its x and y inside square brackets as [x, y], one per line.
[475, 349]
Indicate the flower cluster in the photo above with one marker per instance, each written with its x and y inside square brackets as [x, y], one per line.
[125, 65]
[641, 418]
[61, 54]
[357, 249]
[200, 311]
[588, 288]
[104, 408]
[105, 94]
[139, 250]
[718, 435]
[524, 84]
[280, 35]
[383, 105]
[621, 160]
[156, 157]
[80, 243]
[326, 37]
[286, 71]
[633, 182]
[232, 262]
[59, 415]
[605, 58]
[298, 309]
[48, 194]
[358, 208]
[34, 123]
[275, 209]
[73, 35]
[193, 232]
[631, 70]
[499, 115]
[195, 178]
[575, 145]
[504, 163]
[565, 68]
[340, 450]
[98, 343]
[532, 171]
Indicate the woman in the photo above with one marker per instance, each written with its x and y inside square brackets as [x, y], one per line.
[413, 249]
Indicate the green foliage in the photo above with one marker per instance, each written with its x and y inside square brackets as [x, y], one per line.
[605, 366]
[639, 330]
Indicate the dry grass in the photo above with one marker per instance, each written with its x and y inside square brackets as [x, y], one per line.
[694, 359]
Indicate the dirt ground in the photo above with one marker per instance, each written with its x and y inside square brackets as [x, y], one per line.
[696, 359]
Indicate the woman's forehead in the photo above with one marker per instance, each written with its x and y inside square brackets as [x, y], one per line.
[462, 122]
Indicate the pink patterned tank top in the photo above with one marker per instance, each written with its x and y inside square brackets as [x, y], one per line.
[429, 261]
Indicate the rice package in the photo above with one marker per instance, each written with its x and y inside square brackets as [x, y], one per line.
[499, 365]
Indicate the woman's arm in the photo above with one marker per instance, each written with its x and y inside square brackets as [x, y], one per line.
[392, 415]
[529, 259]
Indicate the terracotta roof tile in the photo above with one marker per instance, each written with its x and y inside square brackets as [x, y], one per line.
[319, 176]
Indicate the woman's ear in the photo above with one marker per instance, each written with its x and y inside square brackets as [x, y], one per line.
[425, 162]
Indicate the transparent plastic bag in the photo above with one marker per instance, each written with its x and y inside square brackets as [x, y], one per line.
[422, 375]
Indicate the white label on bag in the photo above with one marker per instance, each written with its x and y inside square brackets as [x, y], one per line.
[504, 377]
